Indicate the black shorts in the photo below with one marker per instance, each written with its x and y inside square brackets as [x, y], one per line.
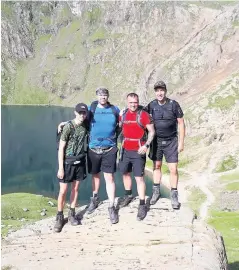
[73, 172]
[132, 161]
[168, 148]
[105, 162]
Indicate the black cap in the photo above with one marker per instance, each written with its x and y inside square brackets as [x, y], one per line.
[102, 91]
[160, 84]
[81, 107]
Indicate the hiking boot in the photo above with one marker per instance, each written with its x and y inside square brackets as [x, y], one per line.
[142, 212]
[59, 223]
[72, 218]
[114, 218]
[125, 201]
[174, 199]
[156, 195]
[94, 203]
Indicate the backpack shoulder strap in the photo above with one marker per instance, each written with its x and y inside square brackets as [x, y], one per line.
[123, 116]
[92, 109]
[151, 106]
[138, 118]
[115, 112]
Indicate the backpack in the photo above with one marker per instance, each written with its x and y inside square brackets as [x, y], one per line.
[93, 108]
[152, 104]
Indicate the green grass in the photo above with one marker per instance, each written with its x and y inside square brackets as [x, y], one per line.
[12, 209]
[93, 16]
[227, 223]
[46, 21]
[99, 34]
[224, 103]
[184, 161]
[6, 9]
[229, 177]
[233, 186]
[227, 164]
[235, 23]
[42, 41]
[6, 267]
[195, 199]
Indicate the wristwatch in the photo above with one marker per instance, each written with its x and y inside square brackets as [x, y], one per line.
[147, 145]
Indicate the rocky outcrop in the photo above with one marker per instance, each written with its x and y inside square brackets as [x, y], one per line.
[166, 239]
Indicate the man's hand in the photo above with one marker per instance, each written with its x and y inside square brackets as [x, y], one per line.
[60, 173]
[142, 150]
[180, 147]
[60, 127]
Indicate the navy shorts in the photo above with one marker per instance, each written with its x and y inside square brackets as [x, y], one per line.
[132, 161]
[167, 148]
[102, 162]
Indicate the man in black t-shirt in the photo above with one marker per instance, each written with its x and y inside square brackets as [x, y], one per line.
[168, 120]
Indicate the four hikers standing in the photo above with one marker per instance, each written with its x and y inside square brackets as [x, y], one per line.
[162, 117]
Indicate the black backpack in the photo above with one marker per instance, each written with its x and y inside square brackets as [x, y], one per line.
[93, 108]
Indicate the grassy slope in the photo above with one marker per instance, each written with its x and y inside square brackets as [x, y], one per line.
[12, 210]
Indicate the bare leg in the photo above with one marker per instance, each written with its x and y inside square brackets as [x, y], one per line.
[74, 193]
[141, 187]
[157, 175]
[127, 181]
[96, 183]
[173, 168]
[62, 196]
[110, 187]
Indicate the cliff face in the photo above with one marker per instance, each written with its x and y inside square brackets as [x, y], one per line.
[59, 53]
[70, 49]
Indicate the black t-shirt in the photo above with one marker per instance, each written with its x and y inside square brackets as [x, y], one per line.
[165, 117]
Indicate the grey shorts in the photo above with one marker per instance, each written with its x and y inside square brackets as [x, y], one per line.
[167, 148]
[132, 161]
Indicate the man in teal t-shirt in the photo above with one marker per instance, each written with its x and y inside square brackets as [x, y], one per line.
[102, 153]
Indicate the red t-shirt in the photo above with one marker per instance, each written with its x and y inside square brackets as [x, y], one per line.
[132, 130]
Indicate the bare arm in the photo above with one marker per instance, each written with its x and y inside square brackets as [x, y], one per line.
[62, 146]
[151, 132]
[181, 127]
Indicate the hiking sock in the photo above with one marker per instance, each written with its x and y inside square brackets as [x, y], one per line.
[111, 204]
[95, 195]
[156, 185]
[72, 210]
[174, 189]
[141, 202]
[60, 213]
[128, 192]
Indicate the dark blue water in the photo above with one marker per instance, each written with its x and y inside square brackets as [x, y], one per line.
[29, 153]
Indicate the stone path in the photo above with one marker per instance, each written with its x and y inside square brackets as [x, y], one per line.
[166, 239]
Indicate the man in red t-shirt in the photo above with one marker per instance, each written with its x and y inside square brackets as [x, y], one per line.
[134, 123]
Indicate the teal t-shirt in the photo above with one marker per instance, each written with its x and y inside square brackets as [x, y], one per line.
[102, 128]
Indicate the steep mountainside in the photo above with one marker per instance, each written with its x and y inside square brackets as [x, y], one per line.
[58, 53]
